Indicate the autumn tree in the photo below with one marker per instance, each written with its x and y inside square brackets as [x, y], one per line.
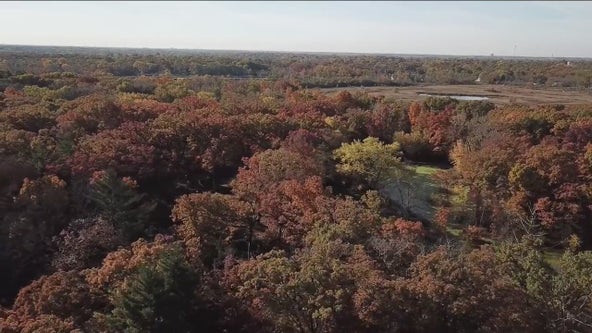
[302, 141]
[125, 149]
[483, 169]
[30, 118]
[396, 245]
[170, 91]
[211, 223]
[39, 213]
[89, 114]
[369, 160]
[272, 166]
[84, 243]
[468, 293]
[15, 142]
[385, 120]
[309, 292]
[125, 261]
[58, 300]
[564, 293]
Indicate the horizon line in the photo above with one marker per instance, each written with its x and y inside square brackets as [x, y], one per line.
[297, 52]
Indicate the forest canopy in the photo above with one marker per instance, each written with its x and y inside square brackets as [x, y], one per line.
[179, 191]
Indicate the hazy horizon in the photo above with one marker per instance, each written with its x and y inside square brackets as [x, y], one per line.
[197, 50]
[525, 29]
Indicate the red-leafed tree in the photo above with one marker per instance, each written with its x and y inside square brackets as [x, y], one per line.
[125, 149]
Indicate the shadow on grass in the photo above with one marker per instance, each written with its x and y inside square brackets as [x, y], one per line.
[414, 192]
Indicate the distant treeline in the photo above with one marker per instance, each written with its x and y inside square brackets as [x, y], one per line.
[308, 69]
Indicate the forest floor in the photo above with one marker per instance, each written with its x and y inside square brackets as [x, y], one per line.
[498, 94]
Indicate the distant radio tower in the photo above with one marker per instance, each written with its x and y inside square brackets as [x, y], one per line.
[514, 53]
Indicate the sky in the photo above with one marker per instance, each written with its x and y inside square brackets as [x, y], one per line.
[447, 28]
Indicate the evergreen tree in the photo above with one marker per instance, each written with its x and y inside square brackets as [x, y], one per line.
[121, 204]
[157, 298]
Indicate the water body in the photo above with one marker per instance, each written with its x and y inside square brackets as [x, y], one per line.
[460, 98]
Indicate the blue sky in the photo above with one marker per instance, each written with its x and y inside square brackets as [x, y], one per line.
[455, 28]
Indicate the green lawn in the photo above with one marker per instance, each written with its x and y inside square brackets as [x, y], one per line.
[454, 231]
[552, 258]
[427, 170]
[416, 191]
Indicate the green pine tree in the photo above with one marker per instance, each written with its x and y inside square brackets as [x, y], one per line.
[157, 298]
[127, 209]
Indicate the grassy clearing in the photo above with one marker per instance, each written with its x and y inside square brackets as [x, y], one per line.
[415, 193]
[419, 191]
[455, 231]
[552, 257]
[427, 170]
[422, 192]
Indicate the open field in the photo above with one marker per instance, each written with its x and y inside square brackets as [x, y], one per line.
[498, 94]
